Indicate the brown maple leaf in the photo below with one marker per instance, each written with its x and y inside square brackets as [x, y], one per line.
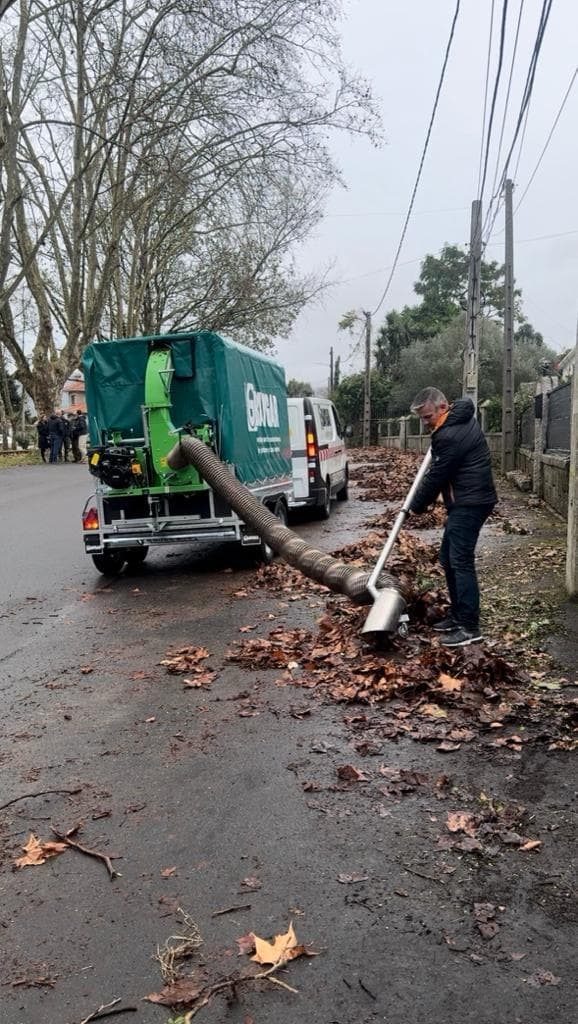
[36, 852]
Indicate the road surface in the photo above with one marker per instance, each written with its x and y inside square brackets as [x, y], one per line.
[222, 798]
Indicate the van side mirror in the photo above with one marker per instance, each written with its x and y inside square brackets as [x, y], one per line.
[349, 430]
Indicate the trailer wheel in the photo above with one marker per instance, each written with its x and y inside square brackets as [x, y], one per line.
[324, 511]
[135, 556]
[109, 563]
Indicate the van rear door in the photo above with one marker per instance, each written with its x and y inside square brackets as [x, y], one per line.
[298, 448]
[332, 453]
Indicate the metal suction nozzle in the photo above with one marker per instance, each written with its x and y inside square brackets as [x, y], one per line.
[386, 612]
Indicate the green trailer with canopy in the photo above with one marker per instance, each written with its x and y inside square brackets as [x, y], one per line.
[142, 395]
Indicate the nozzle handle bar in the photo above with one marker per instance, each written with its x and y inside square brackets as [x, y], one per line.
[373, 590]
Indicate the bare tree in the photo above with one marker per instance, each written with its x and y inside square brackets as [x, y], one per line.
[160, 161]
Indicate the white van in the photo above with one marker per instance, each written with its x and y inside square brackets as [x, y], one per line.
[318, 453]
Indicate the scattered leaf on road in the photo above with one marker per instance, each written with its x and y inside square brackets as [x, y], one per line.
[36, 852]
[178, 993]
[282, 949]
[251, 883]
[541, 977]
[461, 821]
[184, 659]
[433, 711]
[531, 844]
[449, 682]
[346, 879]
[348, 773]
[246, 943]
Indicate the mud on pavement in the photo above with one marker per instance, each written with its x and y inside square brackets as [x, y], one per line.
[224, 740]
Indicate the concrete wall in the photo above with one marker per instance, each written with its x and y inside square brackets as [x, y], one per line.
[495, 446]
[554, 467]
[555, 476]
[418, 442]
[525, 461]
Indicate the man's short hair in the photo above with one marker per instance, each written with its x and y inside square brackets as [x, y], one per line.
[433, 395]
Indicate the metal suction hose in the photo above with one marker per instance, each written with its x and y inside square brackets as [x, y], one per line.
[318, 565]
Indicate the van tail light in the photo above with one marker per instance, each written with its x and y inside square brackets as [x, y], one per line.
[90, 519]
[311, 446]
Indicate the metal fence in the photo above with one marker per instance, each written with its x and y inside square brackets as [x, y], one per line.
[559, 413]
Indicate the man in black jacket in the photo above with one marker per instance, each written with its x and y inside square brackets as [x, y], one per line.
[461, 471]
[42, 429]
[55, 435]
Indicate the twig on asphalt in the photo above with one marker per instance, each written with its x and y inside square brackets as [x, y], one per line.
[422, 874]
[89, 853]
[232, 983]
[108, 1010]
[41, 792]
[230, 910]
[366, 989]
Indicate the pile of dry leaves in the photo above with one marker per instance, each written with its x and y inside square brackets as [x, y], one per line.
[389, 477]
[434, 694]
[434, 519]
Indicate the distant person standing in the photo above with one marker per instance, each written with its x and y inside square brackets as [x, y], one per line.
[66, 436]
[55, 435]
[43, 432]
[78, 436]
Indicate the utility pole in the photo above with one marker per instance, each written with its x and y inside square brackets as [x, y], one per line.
[367, 387]
[331, 378]
[508, 374]
[572, 535]
[472, 351]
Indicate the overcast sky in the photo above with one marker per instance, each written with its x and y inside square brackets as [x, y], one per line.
[399, 44]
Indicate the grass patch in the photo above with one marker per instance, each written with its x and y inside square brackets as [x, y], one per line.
[29, 458]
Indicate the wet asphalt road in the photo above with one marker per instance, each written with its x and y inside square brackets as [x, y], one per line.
[42, 560]
[196, 790]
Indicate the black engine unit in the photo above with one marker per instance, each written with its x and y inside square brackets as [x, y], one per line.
[113, 465]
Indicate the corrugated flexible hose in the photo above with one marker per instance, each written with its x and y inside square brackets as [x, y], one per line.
[318, 565]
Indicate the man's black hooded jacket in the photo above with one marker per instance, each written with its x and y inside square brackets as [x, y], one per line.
[461, 466]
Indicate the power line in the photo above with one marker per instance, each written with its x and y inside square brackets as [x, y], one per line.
[513, 61]
[488, 62]
[422, 160]
[396, 213]
[494, 95]
[419, 259]
[526, 96]
[522, 139]
[356, 347]
[550, 134]
[540, 238]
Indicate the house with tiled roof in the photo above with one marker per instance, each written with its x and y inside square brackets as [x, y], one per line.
[73, 394]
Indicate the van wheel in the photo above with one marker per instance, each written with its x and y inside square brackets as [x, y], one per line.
[324, 511]
[109, 563]
[343, 494]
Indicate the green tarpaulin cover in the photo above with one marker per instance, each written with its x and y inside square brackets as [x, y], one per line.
[241, 392]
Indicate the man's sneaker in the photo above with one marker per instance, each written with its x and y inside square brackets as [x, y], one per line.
[460, 637]
[445, 625]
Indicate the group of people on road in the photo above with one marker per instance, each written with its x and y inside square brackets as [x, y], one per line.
[62, 435]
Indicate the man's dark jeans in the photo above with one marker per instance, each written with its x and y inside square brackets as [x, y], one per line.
[55, 446]
[457, 558]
